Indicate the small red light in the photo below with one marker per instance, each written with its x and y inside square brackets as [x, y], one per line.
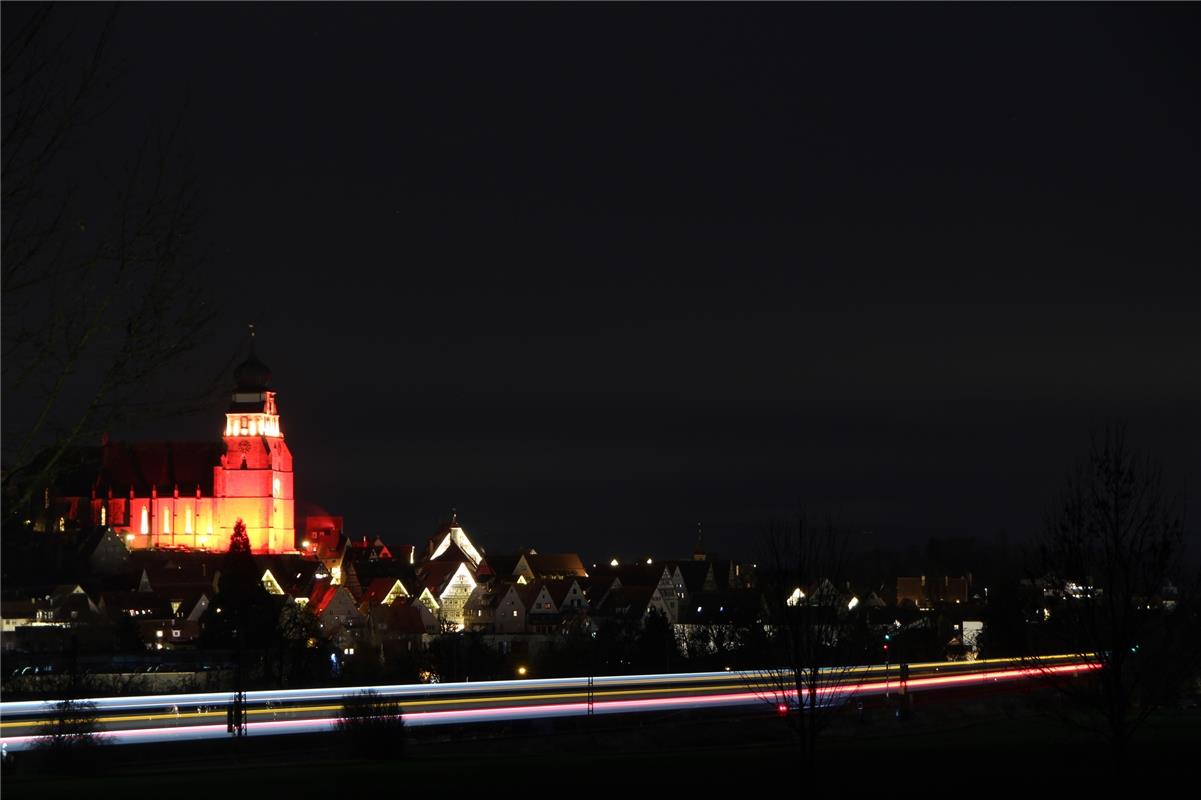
[783, 709]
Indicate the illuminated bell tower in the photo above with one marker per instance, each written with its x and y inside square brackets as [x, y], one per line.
[254, 480]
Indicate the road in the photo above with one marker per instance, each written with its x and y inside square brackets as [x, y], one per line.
[156, 718]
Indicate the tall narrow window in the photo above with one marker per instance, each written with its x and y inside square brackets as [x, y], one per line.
[166, 520]
[245, 425]
[103, 516]
[145, 520]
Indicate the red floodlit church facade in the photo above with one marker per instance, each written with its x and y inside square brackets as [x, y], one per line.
[190, 495]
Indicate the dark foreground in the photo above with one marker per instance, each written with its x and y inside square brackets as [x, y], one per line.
[993, 743]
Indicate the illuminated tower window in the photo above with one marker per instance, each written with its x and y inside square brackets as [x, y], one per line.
[166, 520]
[145, 520]
[103, 516]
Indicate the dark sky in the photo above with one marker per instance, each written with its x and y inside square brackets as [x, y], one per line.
[594, 274]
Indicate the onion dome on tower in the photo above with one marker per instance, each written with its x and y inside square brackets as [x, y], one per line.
[251, 381]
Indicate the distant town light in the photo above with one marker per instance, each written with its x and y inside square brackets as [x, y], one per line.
[648, 561]
[854, 602]
[521, 670]
[613, 563]
[796, 596]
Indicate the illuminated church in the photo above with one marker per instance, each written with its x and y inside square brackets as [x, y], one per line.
[190, 494]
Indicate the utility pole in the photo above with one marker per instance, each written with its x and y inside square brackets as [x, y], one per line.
[591, 668]
[236, 715]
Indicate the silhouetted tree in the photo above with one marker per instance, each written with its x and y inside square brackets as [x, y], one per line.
[302, 647]
[242, 613]
[1116, 590]
[655, 646]
[816, 638]
[99, 277]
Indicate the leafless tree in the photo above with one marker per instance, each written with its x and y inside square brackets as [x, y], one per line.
[100, 280]
[1116, 590]
[815, 632]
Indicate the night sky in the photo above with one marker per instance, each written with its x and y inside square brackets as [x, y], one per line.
[596, 274]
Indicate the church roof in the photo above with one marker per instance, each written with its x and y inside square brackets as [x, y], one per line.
[162, 465]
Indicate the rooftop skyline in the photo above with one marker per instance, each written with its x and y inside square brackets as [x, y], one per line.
[594, 276]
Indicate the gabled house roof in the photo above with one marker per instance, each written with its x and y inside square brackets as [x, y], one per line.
[552, 565]
[324, 595]
[451, 542]
[559, 590]
[438, 575]
[383, 591]
[539, 595]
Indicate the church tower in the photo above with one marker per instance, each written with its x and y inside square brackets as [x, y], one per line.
[254, 479]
